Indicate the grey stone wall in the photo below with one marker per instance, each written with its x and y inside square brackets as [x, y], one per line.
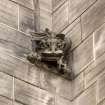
[83, 21]
[22, 83]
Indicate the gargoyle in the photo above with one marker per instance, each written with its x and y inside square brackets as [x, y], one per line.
[51, 49]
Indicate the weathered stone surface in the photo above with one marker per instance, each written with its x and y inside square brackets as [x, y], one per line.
[88, 97]
[45, 14]
[13, 65]
[60, 18]
[57, 3]
[26, 20]
[13, 49]
[45, 20]
[93, 18]
[77, 7]
[10, 35]
[48, 81]
[77, 85]
[74, 32]
[33, 75]
[63, 88]
[18, 67]
[93, 70]
[5, 101]
[102, 103]
[26, 3]
[101, 88]
[62, 101]
[6, 87]
[56, 84]
[46, 5]
[99, 38]
[9, 13]
[83, 55]
[15, 103]
[32, 95]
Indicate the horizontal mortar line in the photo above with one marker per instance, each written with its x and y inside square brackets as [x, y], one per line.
[33, 64]
[6, 97]
[32, 9]
[83, 40]
[40, 99]
[93, 32]
[101, 101]
[70, 24]
[59, 5]
[15, 44]
[100, 55]
[83, 11]
[65, 98]
[84, 91]
[83, 68]
[96, 65]
[88, 8]
[19, 58]
[79, 16]
[25, 34]
[15, 77]
[21, 102]
[97, 74]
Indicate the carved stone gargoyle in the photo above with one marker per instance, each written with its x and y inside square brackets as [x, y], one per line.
[52, 50]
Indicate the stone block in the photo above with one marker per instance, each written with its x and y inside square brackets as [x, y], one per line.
[13, 65]
[19, 68]
[6, 87]
[5, 101]
[77, 85]
[56, 84]
[56, 4]
[16, 37]
[63, 88]
[93, 18]
[99, 41]
[60, 18]
[101, 88]
[13, 49]
[77, 7]
[9, 13]
[48, 81]
[33, 75]
[29, 94]
[26, 3]
[83, 55]
[26, 20]
[74, 32]
[93, 70]
[88, 97]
